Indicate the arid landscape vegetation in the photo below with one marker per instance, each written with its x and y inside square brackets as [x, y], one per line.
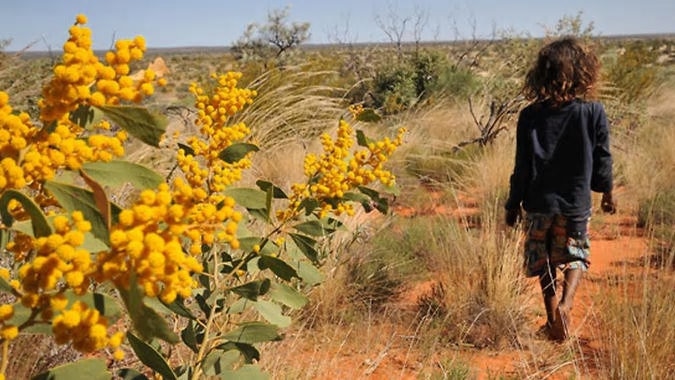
[424, 280]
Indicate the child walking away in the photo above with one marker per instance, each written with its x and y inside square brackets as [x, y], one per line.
[562, 154]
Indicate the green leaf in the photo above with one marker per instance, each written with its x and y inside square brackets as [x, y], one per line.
[138, 121]
[179, 308]
[309, 205]
[117, 173]
[365, 201]
[268, 202]
[246, 372]
[356, 197]
[276, 192]
[247, 243]
[23, 314]
[318, 227]
[380, 203]
[189, 337]
[277, 266]
[4, 239]
[93, 244]
[247, 197]
[262, 214]
[130, 374]
[361, 138]
[250, 352]
[253, 289]
[236, 152]
[311, 227]
[184, 372]
[368, 115]
[90, 369]
[286, 295]
[217, 361]
[25, 227]
[146, 321]
[253, 332]
[73, 198]
[238, 306]
[309, 273]
[150, 357]
[38, 219]
[272, 313]
[5, 286]
[86, 116]
[306, 246]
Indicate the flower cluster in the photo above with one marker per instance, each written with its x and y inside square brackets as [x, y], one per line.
[226, 100]
[85, 328]
[147, 239]
[337, 171]
[65, 148]
[71, 85]
[8, 331]
[58, 262]
[30, 154]
[214, 109]
[355, 110]
[15, 132]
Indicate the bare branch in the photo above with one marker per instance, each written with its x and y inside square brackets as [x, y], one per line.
[273, 38]
[393, 27]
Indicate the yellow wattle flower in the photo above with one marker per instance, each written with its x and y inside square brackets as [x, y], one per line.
[80, 19]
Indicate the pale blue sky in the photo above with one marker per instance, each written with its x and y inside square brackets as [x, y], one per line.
[171, 23]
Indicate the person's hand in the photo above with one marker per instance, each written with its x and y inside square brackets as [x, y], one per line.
[607, 204]
[513, 216]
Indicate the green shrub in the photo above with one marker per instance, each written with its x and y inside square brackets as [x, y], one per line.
[427, 68]
[394, 88]
[456, 82]
[633, 72]
[415, 77]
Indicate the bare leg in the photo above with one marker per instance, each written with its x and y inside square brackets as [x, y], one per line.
[547, 281]
[572, 279]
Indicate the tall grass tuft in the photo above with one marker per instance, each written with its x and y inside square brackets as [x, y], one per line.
[292, 105]
[646, 161]
[481, 296]
[640, 329]
[638, 316]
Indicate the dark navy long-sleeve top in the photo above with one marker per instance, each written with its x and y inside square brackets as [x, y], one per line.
[562, 154]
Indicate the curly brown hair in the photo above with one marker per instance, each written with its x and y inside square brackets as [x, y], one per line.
[565, 69]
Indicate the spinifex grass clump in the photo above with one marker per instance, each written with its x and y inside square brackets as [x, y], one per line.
[638, 322]
[180, 250]
[480, 297]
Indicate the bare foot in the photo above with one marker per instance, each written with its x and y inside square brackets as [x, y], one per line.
[559, 328]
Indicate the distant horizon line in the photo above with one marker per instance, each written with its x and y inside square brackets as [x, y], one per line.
[310, 45]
